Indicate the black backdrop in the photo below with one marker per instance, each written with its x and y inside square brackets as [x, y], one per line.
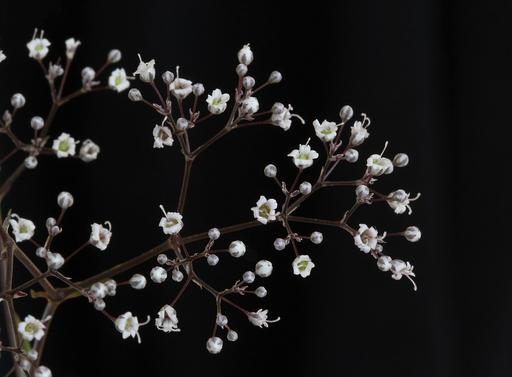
[433, 75]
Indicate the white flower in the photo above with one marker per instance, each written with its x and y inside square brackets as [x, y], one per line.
[167, 320]
[303, 157]
[89, 151]
[366, 238]
[302, 265]
[31, 328]
[384, 263]
[54, 260]
[146, 71]
[100, 236]
[181, 88]
[250, 105]
[326, 131]
[359, 132]
[64, 145]
[378, 165]
[400, 268]
[259, 318]
[263, 268]
[214, 345]
[118, 80]
[265, 210]
[71, 46]
[42, 371]
[2, 56]
[399, 200]
[237, 249]
[412, 234]
[162, 136]
[282, 116]
[171, 223]
[38, 47]
[217, 102]
[128, 325]
[23, 229]
[98, 290]
[245, 55]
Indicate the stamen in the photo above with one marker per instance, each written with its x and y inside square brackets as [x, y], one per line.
[109, 225]
[385, 146]
[163, 210]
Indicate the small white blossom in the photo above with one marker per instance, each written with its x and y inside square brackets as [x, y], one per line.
[30, 162]
[316, 238]
[38, 47]
[302, 265]
[31, 328]
[181, 88]
[71, 46]
[42, 371]
[171, 223]
[54, 260]
[118, 80]
[237, 249]
[65, 200]
[248, 277]
[400, 160]
[2, 56]
[214, 234]
[217, 102]
[245, 55]
[260, 292]
[412, 234]
[270, 171]
[111, 285]
[146, 71]
[326, 131]
[158, 274]
[114, 56]
[100, 235]
[363, 194]
[263, 268]
[351, 155]
[366, 239]
[98, 290]
[384, 263]
[303, 157]
[214, 345]
[18, 100]
[305, 188]
[89, 151]
[282, 116]
[212, 259]
[279, 244]
[23, 229]
[128, 325]
[259, 318]
[399, 201]
[100, 304]
[378, 165]
[359, 132]
[232, 336]
[64, 145]
[221, 320]
[250, 106]
[167, 320]
[162, 136]
[346, 113]
[400, 268]
[265, 210]
[177, 275]
[138, 281]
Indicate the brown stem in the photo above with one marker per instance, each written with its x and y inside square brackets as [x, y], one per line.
[49, 311]
[184, 184]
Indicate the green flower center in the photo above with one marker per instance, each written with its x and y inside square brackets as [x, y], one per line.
[264, 211]
[39, 47]
[302, 265]
[118, 81]
[31, 328]
[23, 229]
[63, 146]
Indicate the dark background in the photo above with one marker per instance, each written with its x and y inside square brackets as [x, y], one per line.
[434, 77]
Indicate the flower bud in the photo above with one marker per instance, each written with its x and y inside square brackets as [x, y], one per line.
[65, 200]
[232, 336]
[32, 355]
[212, 259]
[197, 89]
[99, 304]
[50, 223]
[111, 285]
[250, 105]
[278, 108]
[346, 113]
[30, 162]
[263, 268]
[54, 260]
[248, 82]
[135, 95]
[237, 249]
[138, 281]
[42, 371]
[162, 259]
[182, 124]
[37, 123]
[260, 292]
[18, 100]
[158, 274]
[41, 252]
[270, 171]
[248, 277]
[221, 320]
[167, 77]
[177, 275]
[316, 238]
[384, 263]
[401, 160]
[98, 290]
[245, 55]
[55, 230]
[275, 77]
[351, 155]
[114, 56]
[412, 234]
[214, 345]
[279, 244]
[241, 70]
[7, 117]
[214, 234]
[305, 188]
[88, 74]
[362, 192]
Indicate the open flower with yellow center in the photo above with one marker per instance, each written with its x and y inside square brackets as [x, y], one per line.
[23, 229]
[171, 223]
[118, 80]
[303, 157]
[64, 146]
[326, 131]
[31, 328]
[265, 210]
[302, 265]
